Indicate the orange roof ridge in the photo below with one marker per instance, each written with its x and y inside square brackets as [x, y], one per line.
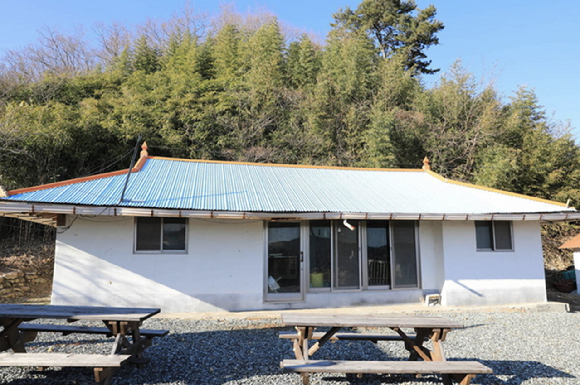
[490, 189]
[140, 163]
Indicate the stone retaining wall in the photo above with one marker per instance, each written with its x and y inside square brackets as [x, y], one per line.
[16, 282]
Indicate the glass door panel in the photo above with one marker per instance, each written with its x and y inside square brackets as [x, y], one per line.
[405, 258]
[284, 260]
[320, 254]
[378, 253]
[347, 265]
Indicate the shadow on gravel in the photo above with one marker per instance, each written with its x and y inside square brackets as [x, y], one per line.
[518, 372]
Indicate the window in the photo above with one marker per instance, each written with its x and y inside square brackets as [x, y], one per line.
[493, 235]
[376, 255]
[161, 235]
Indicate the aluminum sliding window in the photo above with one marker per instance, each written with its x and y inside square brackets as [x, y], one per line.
[493, 235]
[375, 255]
[160, 235]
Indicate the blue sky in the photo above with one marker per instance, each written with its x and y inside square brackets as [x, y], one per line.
[514, 42]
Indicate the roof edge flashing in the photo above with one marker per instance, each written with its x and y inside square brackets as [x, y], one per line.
[138, 166]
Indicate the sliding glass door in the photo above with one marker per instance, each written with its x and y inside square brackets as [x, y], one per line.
[285, 257]
[347, 260]
[326, 256]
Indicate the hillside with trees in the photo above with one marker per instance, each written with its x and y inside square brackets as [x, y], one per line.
[249, 88]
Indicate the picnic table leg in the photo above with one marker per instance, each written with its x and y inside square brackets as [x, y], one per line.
[301, 343]
[437, 338]
[301, 349]
[122, 344]
[438, 354]
[10, 337]
[141, 343]
[104, 376]
[323, 340]
[415, 347]
[418, 349]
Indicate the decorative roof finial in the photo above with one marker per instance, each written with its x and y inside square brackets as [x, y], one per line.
[426, 166]
[144, 150]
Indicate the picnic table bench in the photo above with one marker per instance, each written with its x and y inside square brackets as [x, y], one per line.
[421, 359]
[103, 364]
[462, 371]
[71, 329]
[121, 323]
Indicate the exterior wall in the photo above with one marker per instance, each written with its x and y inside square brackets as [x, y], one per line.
[431, 256]
[95, 265]
[492, 277]
[224, 269]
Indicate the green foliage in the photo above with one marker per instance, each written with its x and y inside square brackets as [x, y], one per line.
[531, 155]
[303, 63]
[396, 129]
[462, 118]
[146, 57]
[246, 92]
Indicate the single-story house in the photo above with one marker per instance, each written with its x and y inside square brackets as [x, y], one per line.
[195, 235]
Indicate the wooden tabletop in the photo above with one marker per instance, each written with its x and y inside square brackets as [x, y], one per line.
[76, 312]
[368, 320]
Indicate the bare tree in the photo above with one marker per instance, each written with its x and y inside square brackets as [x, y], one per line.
[188, 22]
[54, 53]
[113, 39]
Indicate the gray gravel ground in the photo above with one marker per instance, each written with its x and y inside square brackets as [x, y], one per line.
[521, 348]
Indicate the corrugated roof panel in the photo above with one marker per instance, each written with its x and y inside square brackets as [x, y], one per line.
[212, 186]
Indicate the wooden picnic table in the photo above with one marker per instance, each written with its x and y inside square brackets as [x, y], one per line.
[123, 323]
[306, 342]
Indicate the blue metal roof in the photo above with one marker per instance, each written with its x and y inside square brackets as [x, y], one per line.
[214, 186]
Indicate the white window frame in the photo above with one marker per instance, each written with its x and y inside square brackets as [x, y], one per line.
[184, 251]
[493, 236]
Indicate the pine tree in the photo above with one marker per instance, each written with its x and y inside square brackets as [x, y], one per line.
[397, 27]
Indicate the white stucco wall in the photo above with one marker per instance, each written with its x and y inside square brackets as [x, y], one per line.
[492, 277]
[431, 253]
[223, 269]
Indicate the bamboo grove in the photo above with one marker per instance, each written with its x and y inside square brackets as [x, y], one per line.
[249, 88]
